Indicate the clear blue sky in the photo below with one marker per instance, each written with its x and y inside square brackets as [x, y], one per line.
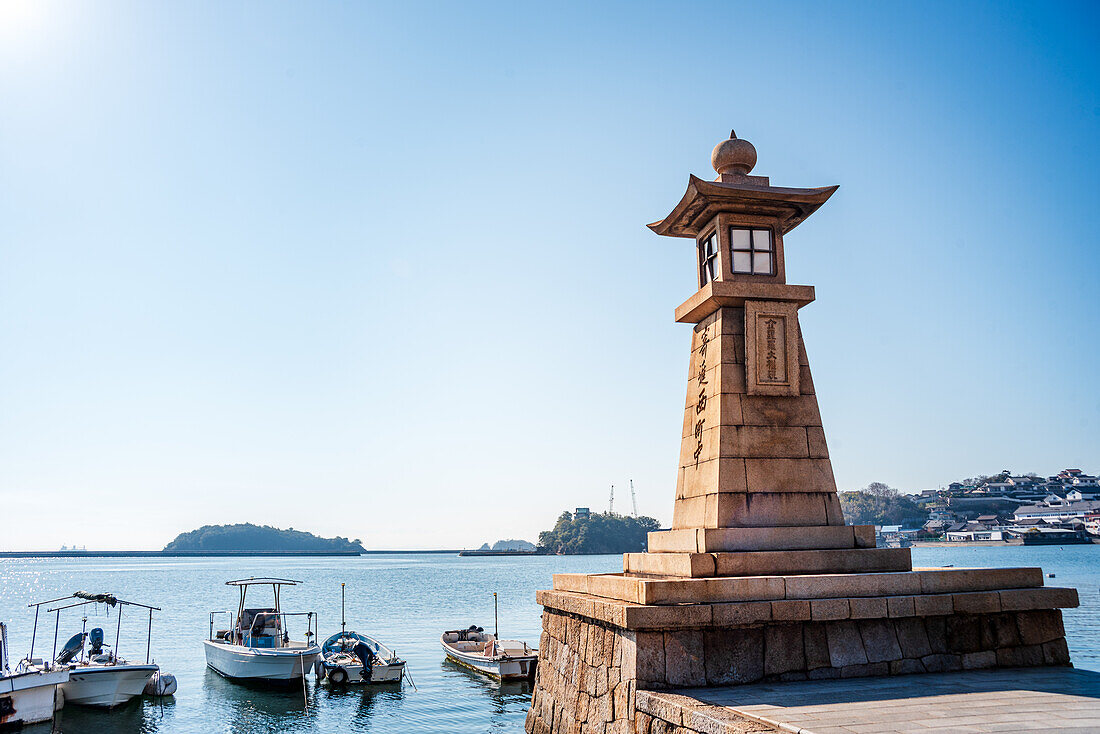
[381, 270]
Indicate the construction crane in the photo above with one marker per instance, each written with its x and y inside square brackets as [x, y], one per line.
[611, 501]
[633, 498]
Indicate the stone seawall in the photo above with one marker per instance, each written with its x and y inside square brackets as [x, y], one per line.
[589, 672]
[585, 681]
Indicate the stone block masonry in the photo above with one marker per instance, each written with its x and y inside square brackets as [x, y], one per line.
[590, 672]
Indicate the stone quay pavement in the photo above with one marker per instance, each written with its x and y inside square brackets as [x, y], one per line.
[1055, 699]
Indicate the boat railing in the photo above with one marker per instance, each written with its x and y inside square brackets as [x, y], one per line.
[310, 620]
[311, 623]
[227, 612]
[85, 599]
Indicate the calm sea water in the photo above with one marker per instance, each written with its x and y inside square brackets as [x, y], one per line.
[406, 600]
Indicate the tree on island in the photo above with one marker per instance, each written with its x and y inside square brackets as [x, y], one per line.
[597, 533]
[879, 504]
[249, 537]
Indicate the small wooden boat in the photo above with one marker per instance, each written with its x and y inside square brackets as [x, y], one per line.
[502, 659]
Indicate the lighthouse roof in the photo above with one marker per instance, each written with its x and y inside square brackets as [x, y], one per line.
[704, 199]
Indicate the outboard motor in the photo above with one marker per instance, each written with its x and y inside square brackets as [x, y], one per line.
[366, 657]
[95, 639]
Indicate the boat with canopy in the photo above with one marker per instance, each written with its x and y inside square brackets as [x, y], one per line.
[98, 675]
[256, 644]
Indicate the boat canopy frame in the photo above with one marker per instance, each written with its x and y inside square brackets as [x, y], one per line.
[276, 584]
[109, 600]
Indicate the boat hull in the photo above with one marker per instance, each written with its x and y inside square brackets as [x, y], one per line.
[511, 668]
[260, 664]
[106, 686]
[31, 697]
[390, 673]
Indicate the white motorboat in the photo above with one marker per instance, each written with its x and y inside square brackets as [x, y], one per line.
[350, 657]
[98, 676]
[256, 645]
[27, 696]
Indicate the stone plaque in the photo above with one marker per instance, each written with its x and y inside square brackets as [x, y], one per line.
[771, 348]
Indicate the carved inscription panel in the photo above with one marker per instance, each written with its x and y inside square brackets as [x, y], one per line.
[771, 348]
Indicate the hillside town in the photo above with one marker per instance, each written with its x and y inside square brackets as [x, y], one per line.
[1029, 509]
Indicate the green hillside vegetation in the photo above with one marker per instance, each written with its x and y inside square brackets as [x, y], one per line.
[597, 533]
[249, 537]
[878, 504]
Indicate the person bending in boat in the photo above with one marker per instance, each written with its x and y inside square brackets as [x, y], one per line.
[366, 657]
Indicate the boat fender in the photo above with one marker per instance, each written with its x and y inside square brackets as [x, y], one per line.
[338, 675]
[161, 684]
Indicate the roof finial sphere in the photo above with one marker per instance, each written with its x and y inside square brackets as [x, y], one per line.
[734, 156]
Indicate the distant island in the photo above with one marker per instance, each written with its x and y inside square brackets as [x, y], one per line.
[509, 545]
[246, 537]
[585, 532]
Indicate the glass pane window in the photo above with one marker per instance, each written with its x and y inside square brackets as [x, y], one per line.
[708, 258]
[752, 251]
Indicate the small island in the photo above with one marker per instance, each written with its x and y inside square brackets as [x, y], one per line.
[503, 548]
[249, 538]
[586, 533]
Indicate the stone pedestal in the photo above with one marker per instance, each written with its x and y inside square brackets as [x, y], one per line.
[759, 578]
[597, 650]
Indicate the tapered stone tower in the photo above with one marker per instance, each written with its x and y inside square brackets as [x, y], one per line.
[760, 578]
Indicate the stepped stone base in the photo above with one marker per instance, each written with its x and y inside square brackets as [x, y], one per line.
[597, 648]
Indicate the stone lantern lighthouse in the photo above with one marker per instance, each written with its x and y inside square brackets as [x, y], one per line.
[760, 579]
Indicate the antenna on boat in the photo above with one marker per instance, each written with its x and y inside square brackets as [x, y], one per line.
[496, 618]
[343, 624]
[633, 498]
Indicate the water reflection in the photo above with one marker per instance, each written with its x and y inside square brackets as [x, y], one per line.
[138, 715]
